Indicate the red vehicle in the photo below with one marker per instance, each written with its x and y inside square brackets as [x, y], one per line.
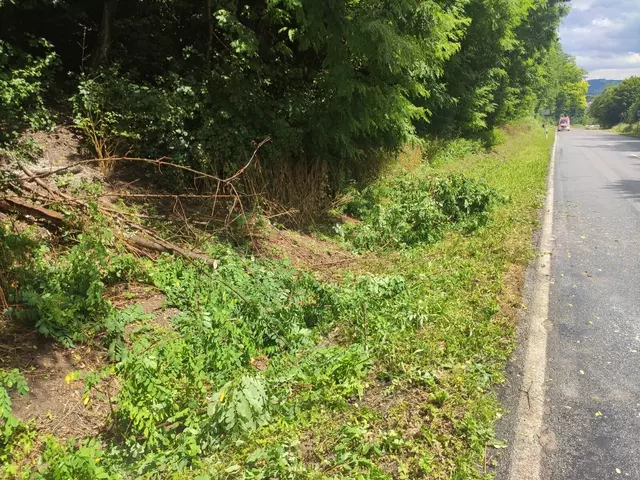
[564, 124]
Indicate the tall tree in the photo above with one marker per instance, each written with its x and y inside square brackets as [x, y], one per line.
[103, 46]
[613, 104]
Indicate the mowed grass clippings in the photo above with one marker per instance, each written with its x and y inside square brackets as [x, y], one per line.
[384, 371]
[429, 407]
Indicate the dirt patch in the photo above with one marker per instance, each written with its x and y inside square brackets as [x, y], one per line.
[510, 300]
[317, 443]
[61, 146]
[62, 153]
[323, 257]
[404, 413]
[56, 402]
[401, 410]
[260, 363]
[53, 403]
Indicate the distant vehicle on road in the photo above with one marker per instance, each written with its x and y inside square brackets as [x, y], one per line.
[564, 124]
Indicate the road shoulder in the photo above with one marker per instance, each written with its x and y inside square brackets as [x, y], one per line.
[523, 394]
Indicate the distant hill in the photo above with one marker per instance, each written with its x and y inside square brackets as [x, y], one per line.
[596, 86]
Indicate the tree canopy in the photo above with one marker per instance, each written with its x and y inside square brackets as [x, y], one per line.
[336, 81]
[564, 90]
[617, 103]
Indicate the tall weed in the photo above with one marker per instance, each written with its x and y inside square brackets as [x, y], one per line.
[416, 209]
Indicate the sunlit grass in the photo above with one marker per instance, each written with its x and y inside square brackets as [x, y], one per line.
[429, 407]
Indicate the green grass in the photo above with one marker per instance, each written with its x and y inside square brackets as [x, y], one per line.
[390, 373]
[631, 129]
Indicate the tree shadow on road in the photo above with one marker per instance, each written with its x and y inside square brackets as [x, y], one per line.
[617, 145]
[629, 189]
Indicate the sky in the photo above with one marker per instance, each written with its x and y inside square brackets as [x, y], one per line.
[604, 36]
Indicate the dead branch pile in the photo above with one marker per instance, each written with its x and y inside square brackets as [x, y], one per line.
[30, 197]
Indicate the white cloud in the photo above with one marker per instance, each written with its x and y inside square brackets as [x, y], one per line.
[602, 22]
[614, 73]
[598, 61]
[603, 35]
[581, 5]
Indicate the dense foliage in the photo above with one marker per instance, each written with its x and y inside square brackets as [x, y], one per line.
[64, 295]
[564, 87]
[617, 103]
[193, 387]
[24, 79]
[415, 210]
[260, 357]
[501, 70]
[338, 82]
[330, 81]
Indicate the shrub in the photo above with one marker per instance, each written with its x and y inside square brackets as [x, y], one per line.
[65, 297]
[416, 210]
[328, 374]
[461, 198]
[614, 100]
[192, 386]
[632, 113]
[24, 80]
[119, 116]
[24, 149]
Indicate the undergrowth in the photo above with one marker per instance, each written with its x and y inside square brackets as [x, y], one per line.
[268, 372]
[63, 294]
[416, 209]
[631, 129]
[24, 80]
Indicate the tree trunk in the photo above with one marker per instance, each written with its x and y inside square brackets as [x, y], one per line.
[101, 52]
[210, 39]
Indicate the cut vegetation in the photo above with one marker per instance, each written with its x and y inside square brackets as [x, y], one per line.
[267, 240]
[169, 366]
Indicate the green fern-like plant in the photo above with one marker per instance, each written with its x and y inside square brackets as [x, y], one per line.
[241, 406]
[10, 379]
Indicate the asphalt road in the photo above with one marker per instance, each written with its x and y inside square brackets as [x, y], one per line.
[592, 404]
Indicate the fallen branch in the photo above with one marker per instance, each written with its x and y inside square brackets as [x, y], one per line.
[163, 195]
[52, 191]
[17, 206]
[74, 168]
[163, 161]
[145, 239]
[255, 152]
[163, 246]
[48, 172]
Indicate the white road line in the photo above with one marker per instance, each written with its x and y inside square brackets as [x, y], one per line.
[526, 454]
